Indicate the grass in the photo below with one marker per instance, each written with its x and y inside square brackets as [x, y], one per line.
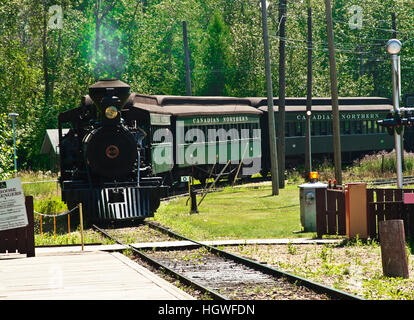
[247, 212]
[370, 167]
[237, 213]
[233, 213]
[63, 238]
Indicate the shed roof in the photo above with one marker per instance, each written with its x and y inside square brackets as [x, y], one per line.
[51, 141]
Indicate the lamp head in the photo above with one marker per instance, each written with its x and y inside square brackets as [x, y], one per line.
[13, 115]
[394, 46]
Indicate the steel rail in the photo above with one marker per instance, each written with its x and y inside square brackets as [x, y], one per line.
[377, 182]
[316, 287]
[163, 267]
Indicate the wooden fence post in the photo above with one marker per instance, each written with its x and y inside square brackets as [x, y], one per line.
[393, 252]
[320, 195]
[356, 210]
[30, 237]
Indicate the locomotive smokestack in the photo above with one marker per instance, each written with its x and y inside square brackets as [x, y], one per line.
[109, 88]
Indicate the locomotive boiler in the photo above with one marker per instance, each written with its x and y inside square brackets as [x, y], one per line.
[102, 161]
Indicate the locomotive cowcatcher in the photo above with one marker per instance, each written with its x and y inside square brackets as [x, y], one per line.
[102, 164]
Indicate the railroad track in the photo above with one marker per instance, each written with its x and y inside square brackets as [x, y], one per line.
[159, 265]
[224, 276]
[407, 180]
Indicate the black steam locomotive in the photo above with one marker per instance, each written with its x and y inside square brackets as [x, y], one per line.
[102, 162]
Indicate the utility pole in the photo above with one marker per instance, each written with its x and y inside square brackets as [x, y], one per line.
[334, 94]
[271, 114]
[308, 147]
[282, 93]
[187, 60]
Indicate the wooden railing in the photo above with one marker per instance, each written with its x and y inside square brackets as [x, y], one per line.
[330, 212]
[387, 204]
[20, 240]
[382, 204]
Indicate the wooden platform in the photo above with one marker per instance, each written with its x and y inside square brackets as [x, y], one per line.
[89, 275]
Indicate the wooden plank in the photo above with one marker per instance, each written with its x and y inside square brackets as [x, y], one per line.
[11, 240]
[390, 209]
[83, 275]
[320, 195]
[389, 194]
[331, 211]
[398, 195]
[21, 240]
[371, 219]
[341, 215]
[30, 238]
[410, 218]
[2, 242]
[380, 212]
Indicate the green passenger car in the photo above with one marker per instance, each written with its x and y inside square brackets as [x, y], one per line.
[198, 136]
[359, 131]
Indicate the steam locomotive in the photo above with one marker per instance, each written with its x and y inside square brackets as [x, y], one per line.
[102, 162]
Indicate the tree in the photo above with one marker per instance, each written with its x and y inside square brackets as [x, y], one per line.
[6, 149]
[45, 71]
[215, 54]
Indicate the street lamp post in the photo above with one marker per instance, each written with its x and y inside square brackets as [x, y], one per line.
[394, 48]
[13, 117]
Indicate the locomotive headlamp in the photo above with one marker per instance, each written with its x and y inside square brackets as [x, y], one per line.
[394, 46]
[111, 112]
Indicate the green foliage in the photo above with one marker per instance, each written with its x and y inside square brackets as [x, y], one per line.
[45, 71]
[215, 51]
[50, 206]
[6, 148]
[49, 238]
[236, 213]
[382, 164]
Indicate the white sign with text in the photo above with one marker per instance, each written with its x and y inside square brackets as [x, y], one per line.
[12, 206]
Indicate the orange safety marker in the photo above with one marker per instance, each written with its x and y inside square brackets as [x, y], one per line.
[69, 225]
[54, 227]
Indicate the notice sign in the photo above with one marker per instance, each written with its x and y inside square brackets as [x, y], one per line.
[12, 206]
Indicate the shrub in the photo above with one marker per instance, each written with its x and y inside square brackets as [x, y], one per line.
[6, 148]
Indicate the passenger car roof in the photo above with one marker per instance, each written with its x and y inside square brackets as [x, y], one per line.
[203, 105]
[189, 106]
